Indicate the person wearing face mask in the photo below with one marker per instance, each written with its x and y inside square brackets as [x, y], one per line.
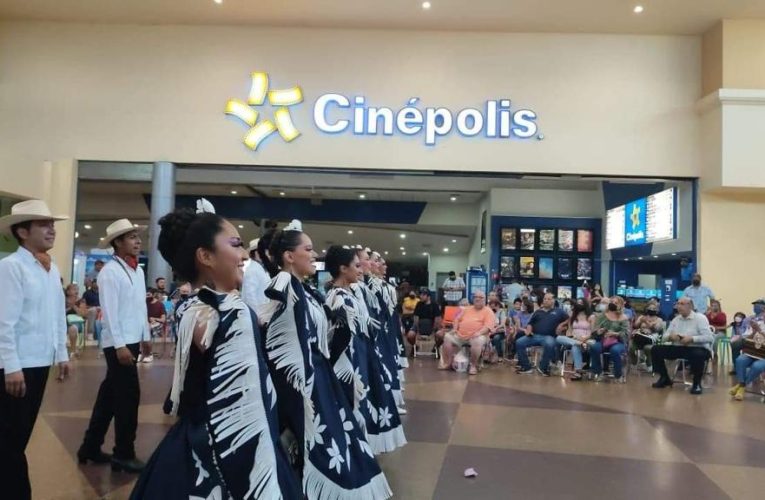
[699, 294]
[719, 321]
[748, 368]
[408, 306]
[738, 330]
[333, 458]
[577, 338]
[226, 440]
[610, 332]
[499, 332]
[647, 331]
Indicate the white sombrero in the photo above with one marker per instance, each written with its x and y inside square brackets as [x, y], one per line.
[26, 211]
[117, 229]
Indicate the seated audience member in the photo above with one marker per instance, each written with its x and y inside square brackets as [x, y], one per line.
[691, 339]
[498, 333]
[577, 337]
[646, 333]
[611, 330]
[717, 320]
[748, 368]
[408, 306]
[426, 320]
[628, 311]
[743, 330]
[738, 330]
[546, 322]
[454, 289]
[93, 303]
[157, 320]
[472, 328]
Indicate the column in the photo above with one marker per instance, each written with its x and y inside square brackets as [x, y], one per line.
[162, 202]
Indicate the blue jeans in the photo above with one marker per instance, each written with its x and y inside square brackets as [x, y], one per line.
[615, 353]
[498, 342]
[748, 369]
[576, 349]
[546, 341]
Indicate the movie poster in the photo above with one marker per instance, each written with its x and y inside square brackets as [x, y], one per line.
[584, 269]
[507, 267]
[545, 268]
[566, 240]
[547, 239]
[508, 238]
[564, 292]
[528, 237]
[527, 267]
[564, 269]
[583, 240]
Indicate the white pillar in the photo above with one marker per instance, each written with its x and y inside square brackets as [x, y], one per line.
[162, 202]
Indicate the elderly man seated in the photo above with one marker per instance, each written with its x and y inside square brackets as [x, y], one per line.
[690, 338]
[471, 328]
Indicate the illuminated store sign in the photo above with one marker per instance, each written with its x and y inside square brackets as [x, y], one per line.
[335, 113]
[646, 220]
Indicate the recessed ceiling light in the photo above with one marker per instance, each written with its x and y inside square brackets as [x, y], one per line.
[218, 1]
[454, 241]
[638, 9]
[101, 239]
[403, 253]
[453, 197]
[241, 226]
[88, 226]
[282, 193]
[446, 249]
[76, 234]
[426, 5]
[386, 252]
[362, 196]
[640, 258]
[674, 254]
[135, 225]
[424, 254]
[655, 256]
[402, 236]
[324, 251]
[233, 191]
[625, 260]
[350, 231]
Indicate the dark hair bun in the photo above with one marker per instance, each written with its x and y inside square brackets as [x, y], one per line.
[181, 233]
[338, 256]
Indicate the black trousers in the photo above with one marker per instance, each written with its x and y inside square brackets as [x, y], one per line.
[695, 355]
[17, 419]
[118, 398]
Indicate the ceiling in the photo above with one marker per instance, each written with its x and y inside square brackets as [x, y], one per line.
[687, 17]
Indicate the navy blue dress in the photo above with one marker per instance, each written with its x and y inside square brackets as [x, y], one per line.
[360, 368]
[226, 441]
[336, 460]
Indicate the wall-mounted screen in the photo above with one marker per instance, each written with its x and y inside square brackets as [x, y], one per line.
[645, 220]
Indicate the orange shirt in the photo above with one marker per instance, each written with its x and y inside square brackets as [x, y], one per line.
[472, 320]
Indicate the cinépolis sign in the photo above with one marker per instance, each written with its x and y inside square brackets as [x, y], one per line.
[336, 113]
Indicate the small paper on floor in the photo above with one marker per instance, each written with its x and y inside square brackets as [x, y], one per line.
[471, 472]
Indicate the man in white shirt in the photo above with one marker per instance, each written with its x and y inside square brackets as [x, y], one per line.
[32, 336]
[122, 293]
[255, 280]
[688, 337]
[454, 289]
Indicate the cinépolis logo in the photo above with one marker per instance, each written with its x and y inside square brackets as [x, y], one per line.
[336, 113]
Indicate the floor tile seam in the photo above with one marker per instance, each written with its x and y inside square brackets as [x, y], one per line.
[549, 409]
[727, 433]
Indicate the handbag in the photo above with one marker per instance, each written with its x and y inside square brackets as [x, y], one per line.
[754, 346]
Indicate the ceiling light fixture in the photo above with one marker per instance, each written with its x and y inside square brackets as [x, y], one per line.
[403, 253]
[674, 254]
[282, 193]
[386, 252]
[453, 197]
[241, 226]
[402, 236]
[655, 256]
[424, 254]
[101, 239]
[233, 191]
[218, 1]
[401, 248]
[454, 241]
[446, 249]
[640, 258]
[362, 196]
[350, 231]
[76, 234]
[426, 5]
[88, 226]
[324, 251]
[638, 9]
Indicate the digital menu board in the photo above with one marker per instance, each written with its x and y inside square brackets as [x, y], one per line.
[645, 220]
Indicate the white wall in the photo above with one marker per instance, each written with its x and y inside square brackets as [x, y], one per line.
[547, 202]
[150, 93]
[444, 264]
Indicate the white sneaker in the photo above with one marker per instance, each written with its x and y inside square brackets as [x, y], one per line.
[148, 359]
[140, 358]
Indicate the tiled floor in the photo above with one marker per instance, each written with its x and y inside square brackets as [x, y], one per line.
[526, 436]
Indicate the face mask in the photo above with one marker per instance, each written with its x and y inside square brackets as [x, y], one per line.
[533, 298]
[601, 307]
[612, 307]
[651, 312]
[738, 321]
[696, 282]
[184, 295]
[758, 308]
[567, 308]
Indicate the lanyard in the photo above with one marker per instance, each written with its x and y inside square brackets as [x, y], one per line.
[119, 261]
